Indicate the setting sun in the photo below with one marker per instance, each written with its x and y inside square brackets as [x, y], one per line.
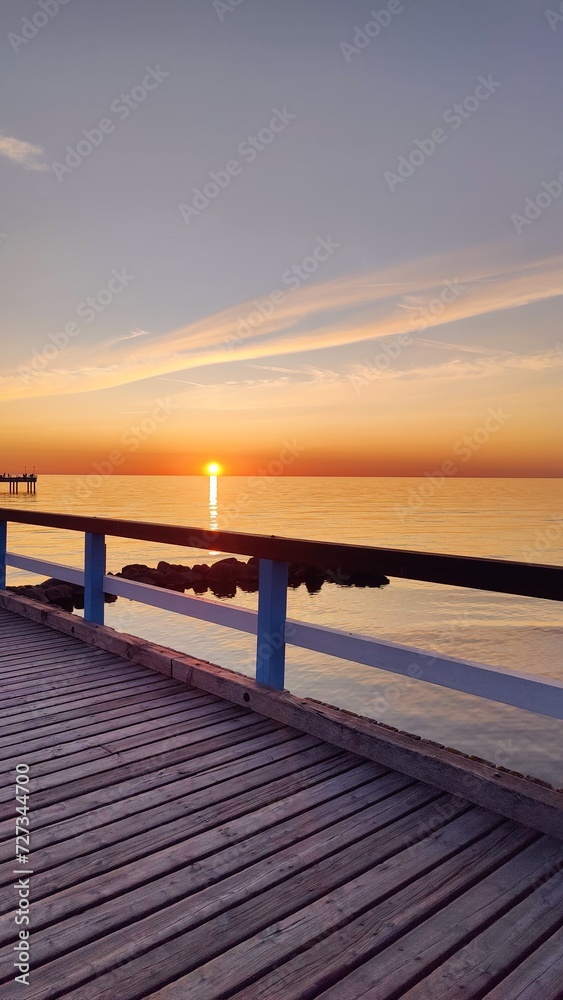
[213, 469]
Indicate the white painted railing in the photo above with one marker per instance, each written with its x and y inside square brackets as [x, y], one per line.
[274, 630]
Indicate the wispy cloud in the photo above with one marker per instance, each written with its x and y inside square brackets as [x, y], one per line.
[132, 335]
[464, 348]
[326, 388]
[487, 365]
[275, 368]
[23, 153]
[164, 378]
[347, 311]
[256, 393]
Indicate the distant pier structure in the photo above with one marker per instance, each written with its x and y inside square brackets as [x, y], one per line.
[28, 478]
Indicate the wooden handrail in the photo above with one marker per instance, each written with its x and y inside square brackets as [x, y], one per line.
[495, 575]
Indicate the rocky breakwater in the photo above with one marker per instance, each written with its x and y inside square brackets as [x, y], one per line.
[57, 593]
[221, 579]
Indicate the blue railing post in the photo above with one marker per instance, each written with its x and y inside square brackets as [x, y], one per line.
[272, 609]
[3, 547]
[94, 572]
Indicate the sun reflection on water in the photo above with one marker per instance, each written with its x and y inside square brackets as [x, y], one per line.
[214, 507]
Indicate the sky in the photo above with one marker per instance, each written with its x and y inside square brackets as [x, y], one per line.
[323, 237]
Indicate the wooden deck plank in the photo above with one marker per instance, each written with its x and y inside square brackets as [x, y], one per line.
[14, 625]
[69, 671]
[52, 758]
[93, 711]
[100, 853]
[32, 647]
[29, 663]
[142, 796]
[72, 778]
[62, 690]
[65, 667]
[345, 818]
[208, 890]
[24, 655]
[391, 954]
[113, 728]
[66, 754]
[316, 839]
[173, 710]
[30, 710]
[415, 875]
[117, 823]
[81, 894]
[34, 656]
[204, 740]
[214, 709]
[54, 763]
[22, 637]
[184, 845]
[19, 640]
[250, 741]
[486, 960]
[76, 673]
[539, 977]
[132, 778]
[48, 664]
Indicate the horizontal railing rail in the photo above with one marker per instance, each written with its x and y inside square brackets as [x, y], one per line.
[270, 623]
[497, 575]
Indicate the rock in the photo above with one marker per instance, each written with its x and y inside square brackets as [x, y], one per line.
[223, 577]
[32, 593]
[246, 572]
[190, 578]
[77, 595]
[173, 581]
[296, 575]
[135, 570]
[60, 596]
[222, 572]
[47, 584]
[345, 579]
[36, 594]
[312, 576]
[314, 579]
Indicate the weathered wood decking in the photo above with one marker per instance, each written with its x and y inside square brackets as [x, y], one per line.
[184, 846]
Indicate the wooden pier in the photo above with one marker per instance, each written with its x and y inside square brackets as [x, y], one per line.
[196, 835]
[29, 480]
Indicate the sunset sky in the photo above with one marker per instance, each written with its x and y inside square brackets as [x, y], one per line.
[232, 228]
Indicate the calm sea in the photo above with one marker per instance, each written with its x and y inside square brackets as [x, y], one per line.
[512, 519]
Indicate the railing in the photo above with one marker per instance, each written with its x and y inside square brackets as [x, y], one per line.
[271, 625]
